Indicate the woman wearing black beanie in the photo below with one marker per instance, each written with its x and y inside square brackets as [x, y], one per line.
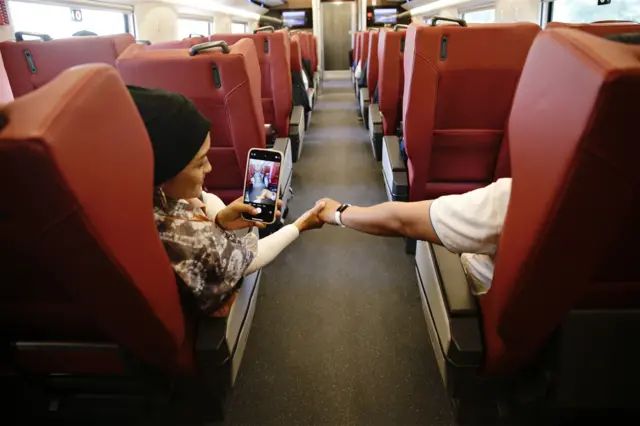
[208, 259]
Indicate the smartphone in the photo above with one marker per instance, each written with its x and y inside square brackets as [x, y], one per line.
[262, 184]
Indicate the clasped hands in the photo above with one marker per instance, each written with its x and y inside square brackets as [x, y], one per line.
[230, 217]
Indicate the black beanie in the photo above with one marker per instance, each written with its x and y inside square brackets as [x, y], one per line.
[176, 128]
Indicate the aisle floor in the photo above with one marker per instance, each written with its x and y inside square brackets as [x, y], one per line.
[339, 337]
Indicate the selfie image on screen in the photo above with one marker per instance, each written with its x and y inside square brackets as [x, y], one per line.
[262, 182]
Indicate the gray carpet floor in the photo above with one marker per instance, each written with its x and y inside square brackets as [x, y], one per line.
[339, 337]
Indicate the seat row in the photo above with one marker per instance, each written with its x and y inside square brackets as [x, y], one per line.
[245, 89]
[555, 110]
[449, 98]
[74, 137]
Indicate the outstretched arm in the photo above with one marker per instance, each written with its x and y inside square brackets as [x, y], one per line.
[390, 219]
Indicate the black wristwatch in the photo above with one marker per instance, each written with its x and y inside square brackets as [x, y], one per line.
[339, 211]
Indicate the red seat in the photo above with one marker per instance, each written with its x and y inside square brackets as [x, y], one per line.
[563, 309]
[72, 263]
[304, 94]
[459, 85]
[50, 58]
[234, 109]
[572, 128]
[274, 65]
[363, 50]
[372, 63]
[601, 29]
[391, 78]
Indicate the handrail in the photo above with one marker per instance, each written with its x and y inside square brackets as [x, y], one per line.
[396, 26]
[460, 22]
[44, 37]
[191, 35]
[147, 42]
[269, 28]
[209, 45]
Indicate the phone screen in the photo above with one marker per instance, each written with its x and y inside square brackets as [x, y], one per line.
[262, 184]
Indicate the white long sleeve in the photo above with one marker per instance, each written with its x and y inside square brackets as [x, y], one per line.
[268, 248]
[271, 246]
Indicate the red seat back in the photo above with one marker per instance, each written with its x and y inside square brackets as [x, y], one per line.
[457, 100]
[601, 29]
[295, 54]
[234, 109]
[570, 236]
[372, 64]
[52, 57]
[391, 78]
[76, 266]
[363, 51]
[275, 67]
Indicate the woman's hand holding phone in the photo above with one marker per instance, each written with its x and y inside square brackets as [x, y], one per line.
[230, 218]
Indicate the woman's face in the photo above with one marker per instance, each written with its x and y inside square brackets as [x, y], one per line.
[188, 183]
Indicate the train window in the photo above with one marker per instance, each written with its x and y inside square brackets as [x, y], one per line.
[485, 16]
[238, 28]
[576, 11]
[193, 26]
[58, 22]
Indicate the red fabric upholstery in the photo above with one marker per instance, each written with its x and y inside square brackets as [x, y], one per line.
[306, 47]
[53, 57]
[234, 109]
[179, 44]
[601, 29]
[455, 110]
[390, 78]
[372, 64]
[84, 263]
[571, 231]
[295, 54]
[363, 51]
[275, 66]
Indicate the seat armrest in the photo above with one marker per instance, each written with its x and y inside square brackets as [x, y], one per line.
[375, 114]
[391, 145]
[364, 94]
[297, 115]
[457, 294]
[457, 339]
[393, 170]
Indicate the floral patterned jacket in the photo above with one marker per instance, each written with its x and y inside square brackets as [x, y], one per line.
[208, 260]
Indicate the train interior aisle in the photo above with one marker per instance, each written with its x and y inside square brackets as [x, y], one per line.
[339, 337]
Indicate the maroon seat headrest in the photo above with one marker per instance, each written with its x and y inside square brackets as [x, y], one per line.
[572, 223]
[81, 257]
